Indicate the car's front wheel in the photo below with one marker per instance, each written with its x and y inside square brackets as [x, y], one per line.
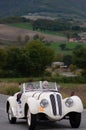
[75, 119]
[31, 120]
[11, 119]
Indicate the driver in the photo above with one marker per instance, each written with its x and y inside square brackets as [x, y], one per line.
[45, 84]
[30, 86]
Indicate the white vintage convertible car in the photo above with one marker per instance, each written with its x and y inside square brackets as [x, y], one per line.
[42, 101]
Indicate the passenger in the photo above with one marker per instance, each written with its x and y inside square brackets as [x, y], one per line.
[45, 85]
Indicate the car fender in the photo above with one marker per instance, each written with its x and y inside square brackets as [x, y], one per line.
[11, 101]
[33, 105]
[76, 107]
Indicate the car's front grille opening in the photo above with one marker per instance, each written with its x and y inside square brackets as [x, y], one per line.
[53, 103]
[59, 104]
[56, 104]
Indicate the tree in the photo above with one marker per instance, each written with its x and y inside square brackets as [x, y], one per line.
[63, 46]
[2, 61]
[40, 57]
[17, 64]
[58, 56]
[27, 38]
[79, 58]
[30, 60]
[19, 38]
[67, 59]
[2, 57]
[12, 60]
[72, 67]
[76, 28]
[36, 36]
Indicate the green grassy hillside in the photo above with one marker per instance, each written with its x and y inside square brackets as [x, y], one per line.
[70, 46]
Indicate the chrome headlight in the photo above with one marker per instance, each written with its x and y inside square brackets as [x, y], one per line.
[44, 103]
[69, 102]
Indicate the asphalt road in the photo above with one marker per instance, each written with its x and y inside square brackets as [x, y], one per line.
[21, 124]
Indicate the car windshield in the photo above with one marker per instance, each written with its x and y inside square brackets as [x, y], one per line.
[41, 85]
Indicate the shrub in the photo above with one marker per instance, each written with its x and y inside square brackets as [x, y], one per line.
[47, 73]
[72, 67]
[9, 88]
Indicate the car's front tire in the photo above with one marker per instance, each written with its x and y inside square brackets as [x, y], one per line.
[75, 119]
[31, 120]
[11, 119]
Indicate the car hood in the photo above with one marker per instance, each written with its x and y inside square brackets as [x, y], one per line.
[41, 94]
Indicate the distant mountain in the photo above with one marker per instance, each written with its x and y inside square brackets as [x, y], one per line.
[70, 8]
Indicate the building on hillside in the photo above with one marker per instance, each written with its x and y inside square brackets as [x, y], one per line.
[54, 64]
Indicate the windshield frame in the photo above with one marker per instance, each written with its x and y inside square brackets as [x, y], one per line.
[38, 86]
